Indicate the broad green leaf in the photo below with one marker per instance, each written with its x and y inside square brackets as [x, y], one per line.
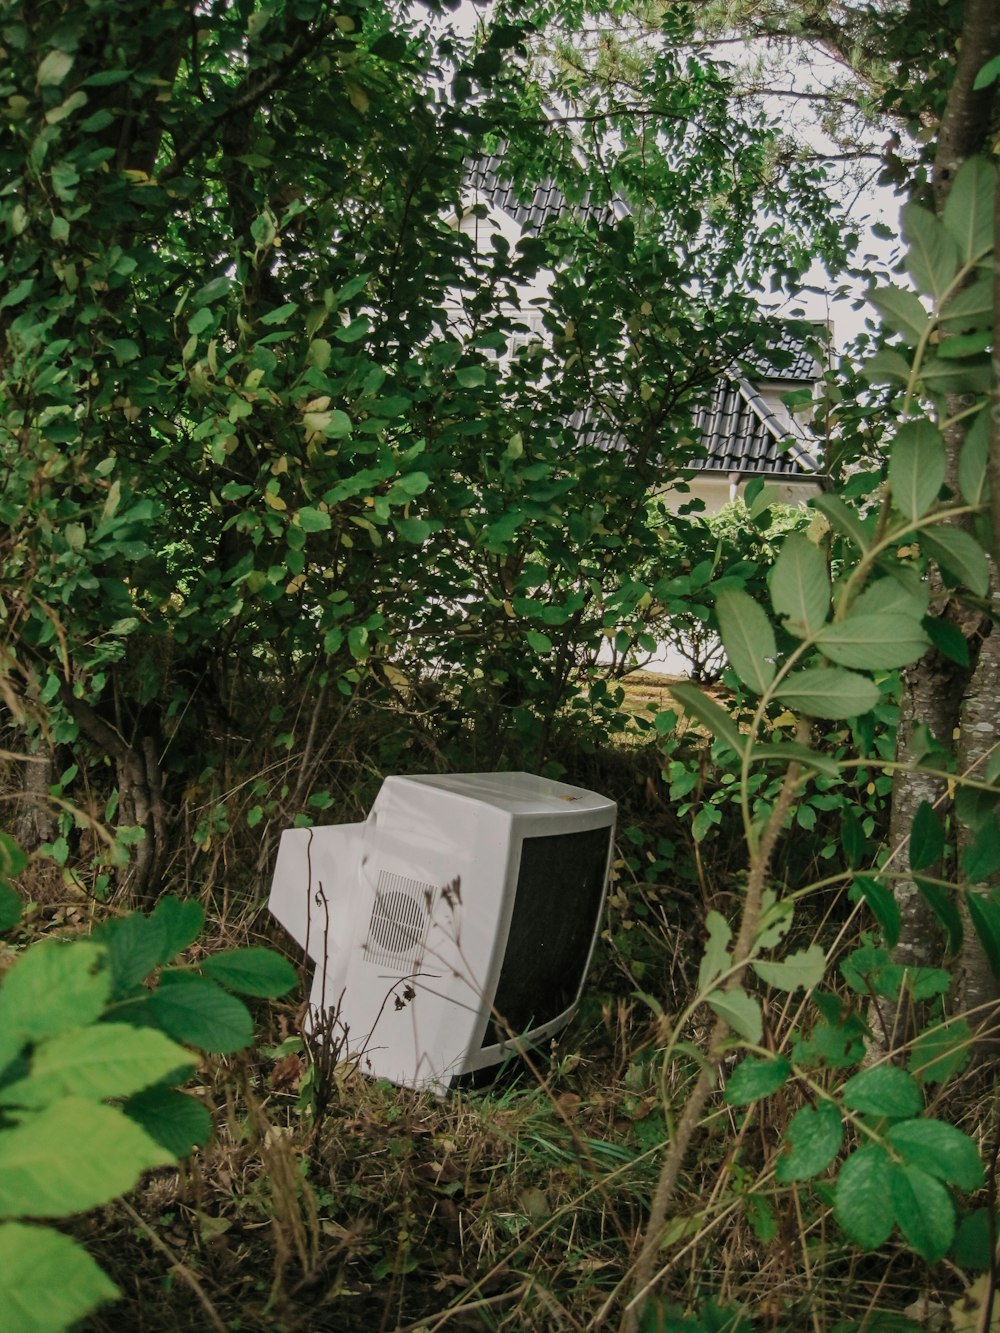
[774, 921]
[932, 257]
[800, 585]
[718, 721]
[940, 1149]
[471, 377]
[313, 520]
[917, 461]
[843, 519]
[762, 1220]
[715, 960]
[984, 913]
[47, 1281]
[13, 859]
[54, 986]
[886, 367]
[537, 641]
[873, 640]
[804, 968]
[968, 209]
[747, 637]
[181, 920]
[883, 1090]
[973, 1247]
[788, 751]
[814, 1136]
[753, 1078]
[948, 639]
[135, 946]
[981, 858]
[957, 346]
[926, 838]
[741, 1011]
[890, 595]
[11, 906]
[54, 68]
[970, 308]
[251, 971]
[200, 1013]
[861, 1197]
[941, 1051]
[973, 476]
[924, 1211]
[828, 692]
[100, 1062]
[989, 73]
[171, 1118]
[883, 906]
[73, 1155]
[902, 311]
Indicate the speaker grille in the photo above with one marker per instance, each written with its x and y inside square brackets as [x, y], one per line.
[400, 917]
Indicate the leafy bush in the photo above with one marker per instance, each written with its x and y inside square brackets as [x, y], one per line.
[91, 1059]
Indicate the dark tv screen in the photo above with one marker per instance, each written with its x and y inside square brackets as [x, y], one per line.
[559, 889]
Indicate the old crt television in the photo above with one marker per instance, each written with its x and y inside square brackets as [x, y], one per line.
[453, 927]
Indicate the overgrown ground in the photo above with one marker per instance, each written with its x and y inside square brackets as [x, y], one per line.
[328, 1202]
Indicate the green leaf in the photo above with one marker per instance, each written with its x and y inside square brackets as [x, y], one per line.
[970, 308]
[968, 208]
[932, 257]
[800, 585]
[814, 1136]
[886, 367]
[861, 1195]
[902, 312]
[926, 838]
[314, 520]
[973, 1247]
[828, 692]
[537, 641]
[715, 960]
[135, 946]
[785, 752]
[940, 1149]
[941, 1051]
[924, 1211]
[883, 906]
[843, 519]
[54, 68]
[741, 1011]
[45, 1173]
[948, 639]
[754, 1078]
[171, 1118]
[47, 1281]
[10, 907]
[54, 986]
[471, 377]
[957, 346]
[984, 913]
[804, 968]
[973, 473]
[873, 640]
[180, 920]
[251, 972]
[883, 1090]
[960, 556]
[747, 637]
[12, 858]
[981, 858]
[989, 73]
[200, 1013]
[100, 1062]
[917, 461]
[718, 721]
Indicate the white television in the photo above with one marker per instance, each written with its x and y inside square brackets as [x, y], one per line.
[455, 926]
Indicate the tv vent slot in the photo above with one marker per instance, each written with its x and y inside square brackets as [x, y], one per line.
[399, 921]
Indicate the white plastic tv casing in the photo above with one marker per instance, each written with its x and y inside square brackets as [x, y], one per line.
[406, 915]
